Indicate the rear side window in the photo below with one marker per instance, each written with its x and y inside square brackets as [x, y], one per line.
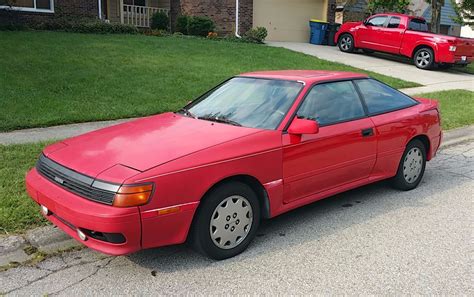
[418, 25]
[381, 98]
[378, 21]
[394, 22]
[332, 103]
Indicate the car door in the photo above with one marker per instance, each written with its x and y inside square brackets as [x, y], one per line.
[344, 149]
[370, 34]
[393, 35]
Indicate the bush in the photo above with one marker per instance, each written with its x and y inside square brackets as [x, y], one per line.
[182, 23]
[87, 27]
[256, 35]
[200, 26]
[160, 21]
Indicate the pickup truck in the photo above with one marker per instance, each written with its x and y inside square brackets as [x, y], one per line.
[408, 36]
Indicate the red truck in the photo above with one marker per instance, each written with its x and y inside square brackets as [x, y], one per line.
[408, 36]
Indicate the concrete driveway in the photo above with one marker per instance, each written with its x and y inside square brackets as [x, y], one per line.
[394, 66]
[372, 240]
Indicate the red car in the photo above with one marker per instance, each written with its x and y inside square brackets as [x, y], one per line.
[256, 146]
[407, 36]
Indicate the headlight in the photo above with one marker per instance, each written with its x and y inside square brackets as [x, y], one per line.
[452, 48]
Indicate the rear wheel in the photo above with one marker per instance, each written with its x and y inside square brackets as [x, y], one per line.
[424, 58]
[411, 167]
[346, 43]
[226, 222]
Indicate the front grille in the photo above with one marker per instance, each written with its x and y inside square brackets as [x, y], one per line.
[75, 182]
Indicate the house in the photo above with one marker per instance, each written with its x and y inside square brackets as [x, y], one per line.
[356, 10]
[285, 20]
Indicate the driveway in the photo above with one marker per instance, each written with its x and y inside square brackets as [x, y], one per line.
[372, 240]
[394, 66]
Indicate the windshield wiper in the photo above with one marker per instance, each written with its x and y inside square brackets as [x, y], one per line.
[187, 113]
[219, 120]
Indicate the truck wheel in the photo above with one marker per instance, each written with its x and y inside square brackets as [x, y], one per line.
[424, 58]
[226, 222]
[346, 43]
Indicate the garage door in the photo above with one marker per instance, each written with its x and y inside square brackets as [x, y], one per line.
[288, 20]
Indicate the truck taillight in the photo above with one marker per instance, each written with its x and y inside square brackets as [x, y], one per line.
[452, 48]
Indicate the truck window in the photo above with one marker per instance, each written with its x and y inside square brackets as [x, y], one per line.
[418, 25]
[377, 21]
[394, 22]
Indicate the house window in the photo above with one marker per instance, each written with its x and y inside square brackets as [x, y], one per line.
[28, 5]
[135, 2]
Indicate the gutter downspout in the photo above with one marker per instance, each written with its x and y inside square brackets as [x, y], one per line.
[99, 3]
[237, 19]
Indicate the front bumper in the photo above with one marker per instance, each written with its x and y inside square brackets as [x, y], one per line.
[70, 212]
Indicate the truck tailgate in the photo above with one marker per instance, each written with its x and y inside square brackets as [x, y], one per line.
[464, 47]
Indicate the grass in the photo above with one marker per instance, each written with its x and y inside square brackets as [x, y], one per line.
[456, 106]
[50, 78]
[17, 211]
[468, 69]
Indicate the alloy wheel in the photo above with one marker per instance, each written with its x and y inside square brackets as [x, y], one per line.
[423, 59]
[231, 222]
[346, 43]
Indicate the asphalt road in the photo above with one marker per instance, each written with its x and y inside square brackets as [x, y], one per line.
[373, 240]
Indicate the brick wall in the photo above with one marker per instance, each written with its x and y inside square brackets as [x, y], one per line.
[222, 12]
[68, 10]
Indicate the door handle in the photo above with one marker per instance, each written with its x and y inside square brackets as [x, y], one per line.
[367, 132]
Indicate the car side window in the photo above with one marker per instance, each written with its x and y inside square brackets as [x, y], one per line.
[394, 23]
[331, 103]
[378, 21]
[381, 98]
[418, 25]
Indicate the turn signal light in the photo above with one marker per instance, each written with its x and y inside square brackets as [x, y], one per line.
[133, 195]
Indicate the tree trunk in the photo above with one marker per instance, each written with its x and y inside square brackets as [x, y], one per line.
[436, 15]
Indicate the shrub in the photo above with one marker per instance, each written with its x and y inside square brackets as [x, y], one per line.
[200, 26]
[159, 33]
[160, 21]
[256, 35]
[96, 27]
[182, 23]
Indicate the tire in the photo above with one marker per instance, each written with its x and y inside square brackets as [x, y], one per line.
[346, 43]
[424, 58]
[367, 51]
[412, 166]
[226, 209]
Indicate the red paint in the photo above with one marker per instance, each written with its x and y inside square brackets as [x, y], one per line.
[401, 41]
[185, 157]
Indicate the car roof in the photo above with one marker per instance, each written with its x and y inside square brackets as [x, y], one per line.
[399, 14]
[307, 76]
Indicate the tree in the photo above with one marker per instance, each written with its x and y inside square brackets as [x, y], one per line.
[435, 14]
[465, 12]
[388, 6]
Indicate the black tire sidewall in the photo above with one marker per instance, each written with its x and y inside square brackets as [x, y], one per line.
[351, 49]
[432, 62]
[201, 237]
[399, 181]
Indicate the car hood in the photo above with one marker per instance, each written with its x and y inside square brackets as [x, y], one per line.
[142, 144]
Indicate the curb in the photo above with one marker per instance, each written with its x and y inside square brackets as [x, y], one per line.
[15, 249]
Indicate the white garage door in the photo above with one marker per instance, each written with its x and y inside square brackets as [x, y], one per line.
[287, 20]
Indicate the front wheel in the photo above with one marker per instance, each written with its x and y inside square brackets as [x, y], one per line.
[226, 222]
[411, 167]
[424, 58]
[346, 43]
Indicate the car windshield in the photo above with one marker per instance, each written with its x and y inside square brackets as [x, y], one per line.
[248, 102]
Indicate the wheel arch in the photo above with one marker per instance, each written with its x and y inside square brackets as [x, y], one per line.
[424, 45]
[426, 142]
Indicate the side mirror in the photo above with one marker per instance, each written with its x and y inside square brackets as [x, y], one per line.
[303, 126]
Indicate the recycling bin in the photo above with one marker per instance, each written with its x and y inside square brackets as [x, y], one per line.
[331, 31]
[318, 31]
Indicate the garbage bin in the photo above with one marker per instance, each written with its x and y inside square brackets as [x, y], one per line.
[331, 30]
[318, 31]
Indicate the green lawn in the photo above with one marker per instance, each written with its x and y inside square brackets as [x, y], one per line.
[468, 69]
[50, 78]
[17, 211]
[456, 106]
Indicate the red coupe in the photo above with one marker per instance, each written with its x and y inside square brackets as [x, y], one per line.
[256, 146]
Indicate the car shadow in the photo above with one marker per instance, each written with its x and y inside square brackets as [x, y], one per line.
[310, 223]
